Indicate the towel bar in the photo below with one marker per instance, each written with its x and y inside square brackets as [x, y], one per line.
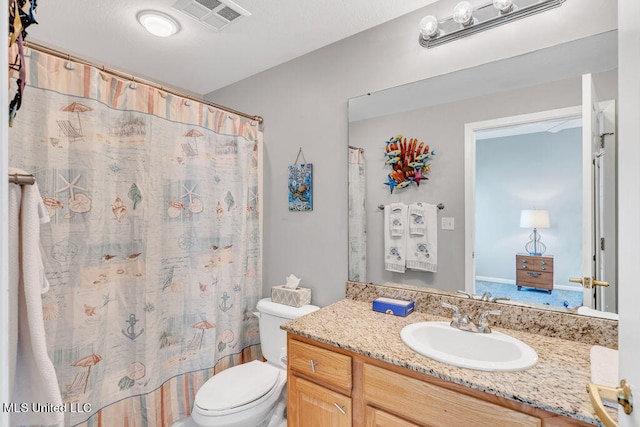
[440, 206]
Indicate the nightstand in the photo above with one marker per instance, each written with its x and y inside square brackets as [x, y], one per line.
[534, 272]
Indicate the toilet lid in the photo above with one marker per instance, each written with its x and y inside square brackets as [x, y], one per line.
[237, 386]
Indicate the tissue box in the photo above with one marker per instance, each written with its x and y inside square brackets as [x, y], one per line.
[398, 307]
[296, 297]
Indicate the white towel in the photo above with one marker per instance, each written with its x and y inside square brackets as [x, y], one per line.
[397, 218]
[395, 245]
[422, 248]
[417, 223]
[33, 378]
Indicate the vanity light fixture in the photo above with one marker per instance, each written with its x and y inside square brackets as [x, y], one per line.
[158, 23]
[466, 20]
[534, 219]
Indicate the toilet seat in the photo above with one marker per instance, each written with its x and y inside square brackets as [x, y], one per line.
[228, 391]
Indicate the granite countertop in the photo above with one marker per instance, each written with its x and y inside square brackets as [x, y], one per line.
[557, 383]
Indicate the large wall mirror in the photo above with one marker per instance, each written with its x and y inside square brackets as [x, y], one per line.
[507, 137]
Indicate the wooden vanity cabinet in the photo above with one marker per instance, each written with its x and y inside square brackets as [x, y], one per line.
[329, 386]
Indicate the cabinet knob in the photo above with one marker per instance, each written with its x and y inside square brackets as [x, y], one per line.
[543, 268]
[524, 261]
[524, 266]
[543, 262]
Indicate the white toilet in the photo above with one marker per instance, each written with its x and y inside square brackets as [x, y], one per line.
[252, 394]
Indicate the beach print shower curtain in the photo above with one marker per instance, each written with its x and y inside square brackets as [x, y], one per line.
[153, 248]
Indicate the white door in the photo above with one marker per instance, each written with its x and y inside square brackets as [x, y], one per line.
[593, 169]
[629, 200]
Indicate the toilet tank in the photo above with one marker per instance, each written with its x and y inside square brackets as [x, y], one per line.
[272, 315]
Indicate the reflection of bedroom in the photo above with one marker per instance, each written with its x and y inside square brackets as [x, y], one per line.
[540, 170]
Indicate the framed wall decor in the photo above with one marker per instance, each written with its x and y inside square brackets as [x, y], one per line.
[300, 185]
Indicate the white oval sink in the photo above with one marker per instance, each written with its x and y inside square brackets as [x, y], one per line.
[494, 352]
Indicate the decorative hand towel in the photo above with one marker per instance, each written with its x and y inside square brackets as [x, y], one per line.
[417, 225]
[397, 218]
[394, 246]
[422, 249]
[33, 378]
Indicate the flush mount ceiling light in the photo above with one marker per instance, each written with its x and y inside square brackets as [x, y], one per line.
[466, 20]
[158, 23]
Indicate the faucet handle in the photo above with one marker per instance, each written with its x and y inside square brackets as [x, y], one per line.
[455, 319]
[483, 323]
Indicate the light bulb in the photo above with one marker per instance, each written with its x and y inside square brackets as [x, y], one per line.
[463, 13]
[158, 23]
[503, 6]
[429, 27]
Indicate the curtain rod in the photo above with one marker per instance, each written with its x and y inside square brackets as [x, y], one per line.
[41, 48]
[21, 179]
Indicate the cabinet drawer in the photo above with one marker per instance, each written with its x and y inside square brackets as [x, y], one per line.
[324, 365]
[535, 263]
[428, 404]
[534, 278]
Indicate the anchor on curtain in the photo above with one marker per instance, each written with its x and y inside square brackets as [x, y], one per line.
[153, 247]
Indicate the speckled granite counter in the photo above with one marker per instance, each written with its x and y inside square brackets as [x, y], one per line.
[556, 384]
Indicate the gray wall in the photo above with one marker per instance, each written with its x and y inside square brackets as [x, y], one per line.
[542, 171]
[304, 104]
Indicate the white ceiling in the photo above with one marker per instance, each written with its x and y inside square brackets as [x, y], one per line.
[200, 59]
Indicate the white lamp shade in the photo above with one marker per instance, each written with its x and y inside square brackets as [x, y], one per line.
[534, 219]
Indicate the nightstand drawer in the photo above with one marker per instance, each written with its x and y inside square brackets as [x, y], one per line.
[536, 279]
[534, 263]
[322, 365]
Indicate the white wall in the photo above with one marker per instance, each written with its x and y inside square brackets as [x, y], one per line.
[304, 103]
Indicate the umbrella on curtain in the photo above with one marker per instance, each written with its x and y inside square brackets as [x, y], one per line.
[87, 361]
[195, 134]
[76, 107]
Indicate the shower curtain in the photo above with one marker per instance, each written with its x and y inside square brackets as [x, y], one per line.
[153, 247]
[357, 216]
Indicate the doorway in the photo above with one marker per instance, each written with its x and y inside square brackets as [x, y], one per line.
[526, 162]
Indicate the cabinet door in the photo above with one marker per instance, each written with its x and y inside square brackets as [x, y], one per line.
[374, 417]
[435, 406]
[311, 405]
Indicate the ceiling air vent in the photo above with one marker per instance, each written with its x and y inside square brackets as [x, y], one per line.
[214, 13]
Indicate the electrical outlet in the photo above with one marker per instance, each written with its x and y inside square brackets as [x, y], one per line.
[448, 223]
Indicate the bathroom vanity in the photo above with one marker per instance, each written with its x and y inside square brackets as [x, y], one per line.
[348, 366]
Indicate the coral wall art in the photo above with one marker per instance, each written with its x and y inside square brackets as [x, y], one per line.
[409, 161]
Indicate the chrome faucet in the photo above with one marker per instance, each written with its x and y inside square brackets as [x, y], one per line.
[455, 318]
[467, 294]
[486, 296]
[464, 323]
[483, 323]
